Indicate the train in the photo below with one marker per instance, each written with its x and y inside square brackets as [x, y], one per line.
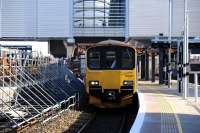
[111, 74]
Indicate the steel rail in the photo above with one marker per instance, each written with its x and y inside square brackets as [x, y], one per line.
[87, 124]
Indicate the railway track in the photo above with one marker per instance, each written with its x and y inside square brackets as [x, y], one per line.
[110, 121]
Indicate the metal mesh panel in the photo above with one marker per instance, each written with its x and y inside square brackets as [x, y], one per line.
[34, 88]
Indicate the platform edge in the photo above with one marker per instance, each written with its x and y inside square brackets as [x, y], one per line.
[140, 115]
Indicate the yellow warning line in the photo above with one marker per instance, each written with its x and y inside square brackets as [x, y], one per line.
[162, 102]
[180, 130]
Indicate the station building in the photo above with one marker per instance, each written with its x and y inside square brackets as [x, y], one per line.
[61, 19]
[144, 23]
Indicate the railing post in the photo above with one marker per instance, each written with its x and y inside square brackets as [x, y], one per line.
[196, 86]
[78, 99]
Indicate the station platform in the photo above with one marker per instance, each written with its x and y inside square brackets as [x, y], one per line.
[164, 110]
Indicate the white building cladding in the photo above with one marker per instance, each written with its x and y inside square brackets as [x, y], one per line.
[148, 18]
[107, 18]
[194, 17]
[36, 18]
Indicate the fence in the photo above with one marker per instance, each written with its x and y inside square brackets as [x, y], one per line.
[194, 87]
[34, 88]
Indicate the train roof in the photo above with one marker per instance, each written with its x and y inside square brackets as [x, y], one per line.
[111, 42]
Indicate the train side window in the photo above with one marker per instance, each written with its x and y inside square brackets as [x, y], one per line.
[127, 59]
[94, 60]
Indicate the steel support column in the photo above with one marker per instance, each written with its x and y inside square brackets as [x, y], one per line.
[139, 66]
[143, 66]
[146, 66]
[169, 71]
[166, 66]
[178, 62]
[161, 66]
[153, 67]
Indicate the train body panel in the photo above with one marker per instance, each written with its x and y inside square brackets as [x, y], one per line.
[111, 79]
[98, 103]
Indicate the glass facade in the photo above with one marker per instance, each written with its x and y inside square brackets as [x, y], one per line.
[99, 13]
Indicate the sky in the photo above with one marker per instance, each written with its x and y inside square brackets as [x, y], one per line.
[36, 45]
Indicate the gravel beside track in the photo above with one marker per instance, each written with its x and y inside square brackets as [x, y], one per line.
[68, 122]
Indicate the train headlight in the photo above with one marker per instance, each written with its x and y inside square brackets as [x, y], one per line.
[128, 83]
[94, 83]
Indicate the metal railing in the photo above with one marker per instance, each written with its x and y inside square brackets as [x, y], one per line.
[34, 89]
[194, 87]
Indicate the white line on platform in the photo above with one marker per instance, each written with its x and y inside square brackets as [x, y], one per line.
[140, 115]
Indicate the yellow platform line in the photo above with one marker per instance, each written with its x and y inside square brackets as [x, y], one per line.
[168, 108]
[177, 119]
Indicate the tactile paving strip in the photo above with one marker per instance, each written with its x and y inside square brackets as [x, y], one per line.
[170, 122]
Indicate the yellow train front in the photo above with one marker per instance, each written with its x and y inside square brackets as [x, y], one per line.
[111, 74]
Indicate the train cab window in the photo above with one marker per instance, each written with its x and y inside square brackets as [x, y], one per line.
[110, 59]
[127, 60]
[94, 59]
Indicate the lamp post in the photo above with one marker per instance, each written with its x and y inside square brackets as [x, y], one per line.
[170, 41]
[185, 49]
